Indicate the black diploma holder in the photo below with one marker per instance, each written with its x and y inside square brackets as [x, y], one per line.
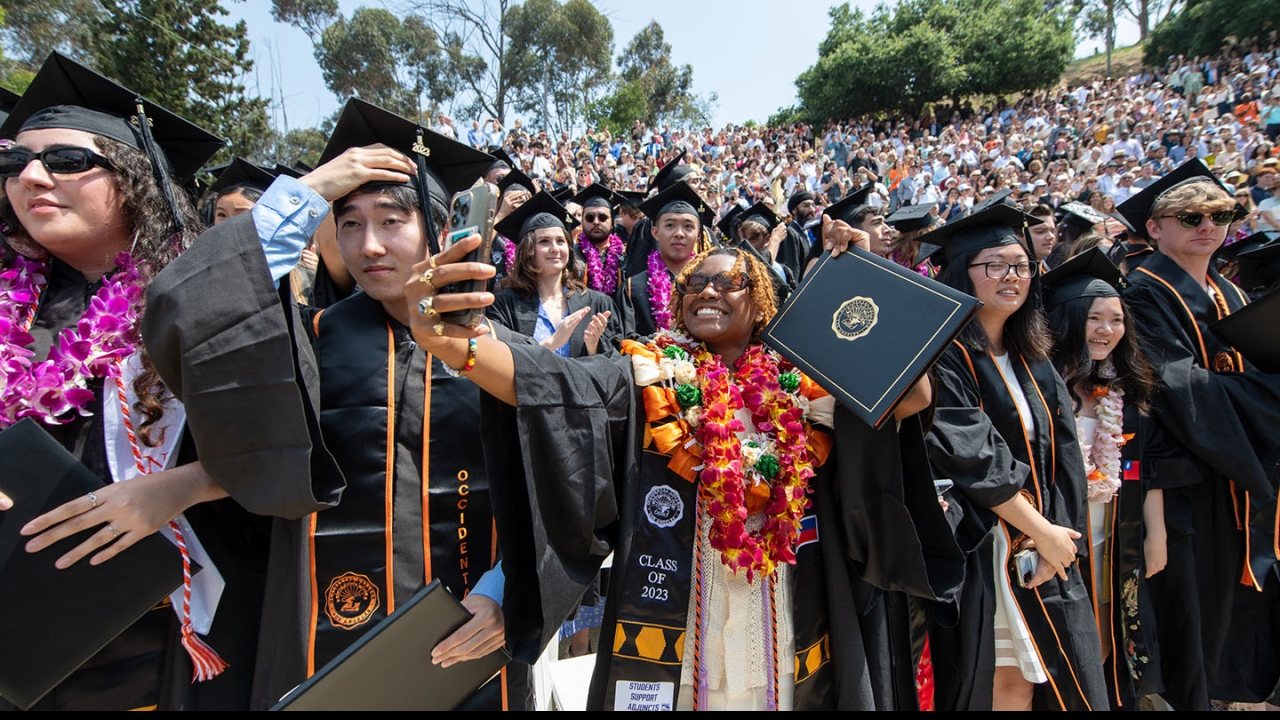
[866, 329]
[389, 667]
[52, 621]
[1252, 331]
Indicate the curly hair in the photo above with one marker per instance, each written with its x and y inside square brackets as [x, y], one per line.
[523, 276]
[758, 284]
[156, 242]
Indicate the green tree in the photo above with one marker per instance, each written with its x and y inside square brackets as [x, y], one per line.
[560, 58]
[179, 55]
[475, 39]
[34, 28]
[1205, 26]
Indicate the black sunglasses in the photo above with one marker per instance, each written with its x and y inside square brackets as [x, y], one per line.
[722, 282]
[1191, 221]
[59, 160]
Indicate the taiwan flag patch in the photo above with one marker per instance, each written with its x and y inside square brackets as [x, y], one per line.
[1132, 470]
[808, 531]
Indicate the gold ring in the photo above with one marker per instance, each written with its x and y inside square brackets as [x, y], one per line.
[426, 279]
[425, 306]
[93, 498]
[114, 532]
[432, 261]
[439, 328]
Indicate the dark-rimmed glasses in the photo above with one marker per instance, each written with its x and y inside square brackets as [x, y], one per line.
[57, 160]
[1191, 221]
[999, 270]
[722, 282]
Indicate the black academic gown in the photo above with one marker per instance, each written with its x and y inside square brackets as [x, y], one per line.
[518, 312]
[1131, 254]
[574, 482]
[364, 388]
[794, 249]
[145, 667]
[1216, 601]
[634, 309]
[582, 261]
[978, 441]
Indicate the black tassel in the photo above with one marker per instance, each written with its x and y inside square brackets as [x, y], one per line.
[157, 167]
[424, 200]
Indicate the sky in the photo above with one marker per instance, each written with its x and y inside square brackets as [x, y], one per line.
[748, 52]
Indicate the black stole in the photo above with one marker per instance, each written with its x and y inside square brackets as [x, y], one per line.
[416, 506]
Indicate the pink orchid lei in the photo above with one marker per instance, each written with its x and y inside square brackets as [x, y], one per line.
[659, 291]
[106, 334]
[509, 253]
[1102, 458]
[603, 278]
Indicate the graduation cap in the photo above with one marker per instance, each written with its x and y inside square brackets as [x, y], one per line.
[729, 222]
[672, 172]
[241, 172]
[1002, 196]
[67, 95]
[1081, 215]
[598, 195]
[1229, 253]
[501, 159]
[1087, 275]
[539, 211]
[634, 198]
[8, 99]
[913, 217]
[761, 213]
[563, 195]
[995, 226]
[445, 166]
[287, 171]
[518, 180]
[679, 198]
[1137, 210]
[1259, 266]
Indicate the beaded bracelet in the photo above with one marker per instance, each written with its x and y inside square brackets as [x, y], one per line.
[470, 365]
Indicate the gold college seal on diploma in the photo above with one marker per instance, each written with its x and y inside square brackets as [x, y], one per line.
[350, 600]
[854, 318]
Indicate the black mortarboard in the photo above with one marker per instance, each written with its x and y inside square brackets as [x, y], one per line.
[1228, 253]
[1089, 275]
[1080, 215]
[563, 195]
[518, 180]
[1001, 196]
[672, 172]
[913, 217]
[679, 198]
[1137, 209]
[287, 171]
[598, 195]
[8, 99]
[445, 166]
[502, 159]
[845, 209]
[539, 211]
[729, 222]
[996, 226]
[242, 172]
[633, 198]
[762, 214]
[66, 94]
[1260, 266]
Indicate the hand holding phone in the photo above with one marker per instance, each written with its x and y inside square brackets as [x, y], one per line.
[1025, 563]
[470, 213]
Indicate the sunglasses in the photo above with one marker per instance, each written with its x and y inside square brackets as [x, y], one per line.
[722, 282]
[1191, 221]
[58, 160]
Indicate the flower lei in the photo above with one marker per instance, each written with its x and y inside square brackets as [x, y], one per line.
[1102, 458]
[659, 291]
[106, 334]
[509, 255]
[757, 454]
[602, 277]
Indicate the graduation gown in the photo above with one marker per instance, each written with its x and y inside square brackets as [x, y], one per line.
[145, 667]
[520, 313]
[577, 482]
[1215, 601]
[794, 249]
[394, 493]
[635, 311]
[978, 441]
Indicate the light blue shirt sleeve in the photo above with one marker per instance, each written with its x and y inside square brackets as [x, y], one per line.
[286, 216]
[493, 584]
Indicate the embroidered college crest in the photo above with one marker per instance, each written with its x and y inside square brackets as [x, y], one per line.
[350, 600]
[663, 506]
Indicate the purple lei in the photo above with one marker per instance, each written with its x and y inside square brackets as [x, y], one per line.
[509, 254]
[604, 279]
[106, 334]
[659, 291]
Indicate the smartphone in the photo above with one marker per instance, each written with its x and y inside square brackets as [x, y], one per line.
[1024, 566]
[942, 485]
[470, 213]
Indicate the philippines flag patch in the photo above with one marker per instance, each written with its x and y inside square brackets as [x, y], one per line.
[808, 531]
[1132, 470]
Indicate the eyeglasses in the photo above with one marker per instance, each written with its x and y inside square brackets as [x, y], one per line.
[1191, 221]
[60, 160]
[1000, 270]
[722, 282]
[602, 217]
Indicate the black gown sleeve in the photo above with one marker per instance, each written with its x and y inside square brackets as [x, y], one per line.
[238, 358]
[556, 462]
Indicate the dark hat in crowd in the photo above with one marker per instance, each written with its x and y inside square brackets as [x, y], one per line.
[1089, 275]
[539, 211]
